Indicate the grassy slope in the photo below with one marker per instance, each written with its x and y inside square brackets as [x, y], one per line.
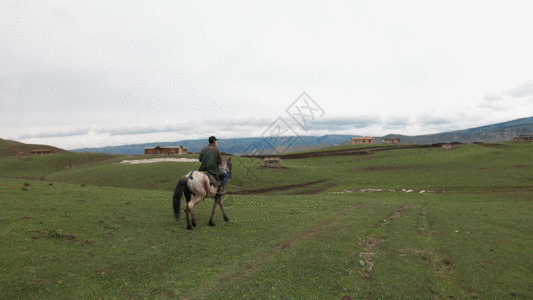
[36, 166]
[165, 175]
[126, 243]
[12, 148]
[343, 147]
[465, 167]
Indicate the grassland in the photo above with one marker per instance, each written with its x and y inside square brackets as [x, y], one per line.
[347, 147]
[102, 229]
[13, 148]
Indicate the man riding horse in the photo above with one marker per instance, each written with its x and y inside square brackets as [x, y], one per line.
[198, 185]
[211, 158]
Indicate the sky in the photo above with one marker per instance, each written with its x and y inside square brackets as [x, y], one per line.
[77, 74]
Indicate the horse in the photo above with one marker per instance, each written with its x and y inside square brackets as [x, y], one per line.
[198, 184]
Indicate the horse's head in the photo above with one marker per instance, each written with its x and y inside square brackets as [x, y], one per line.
[226, 166]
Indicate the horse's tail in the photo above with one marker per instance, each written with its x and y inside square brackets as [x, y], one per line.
[178, 192]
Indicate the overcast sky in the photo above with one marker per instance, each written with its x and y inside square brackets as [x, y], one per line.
[79, 74]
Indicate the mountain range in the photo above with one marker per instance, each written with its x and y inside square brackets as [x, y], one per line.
[493, 133]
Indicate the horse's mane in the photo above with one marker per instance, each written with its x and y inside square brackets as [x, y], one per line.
[226, 164]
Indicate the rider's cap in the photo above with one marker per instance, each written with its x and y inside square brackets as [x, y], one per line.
[212, 139]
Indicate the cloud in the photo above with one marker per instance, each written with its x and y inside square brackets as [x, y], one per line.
[494, 105]
[211, 126]
[490, 97]
[396, 124]
[437, 121]
[496, 101]
[242, 127]
[231, 124]
[142, 130]
[525, 89]
[56, 93]
[54, 134]
[343, 123]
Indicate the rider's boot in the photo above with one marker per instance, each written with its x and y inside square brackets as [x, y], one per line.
[221, 190]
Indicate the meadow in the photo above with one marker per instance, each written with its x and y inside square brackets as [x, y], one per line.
[87, 226]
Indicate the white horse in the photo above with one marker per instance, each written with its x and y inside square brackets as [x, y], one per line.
[199, 185]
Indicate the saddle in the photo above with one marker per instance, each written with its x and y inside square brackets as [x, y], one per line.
[212, 181]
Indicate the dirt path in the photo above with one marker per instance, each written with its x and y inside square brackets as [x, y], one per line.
[302, 236]
[310, 232]
[347, 152]
[280, 188]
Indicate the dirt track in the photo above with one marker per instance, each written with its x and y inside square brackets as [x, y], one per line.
[351, 152]
[279, 188]
[348, 152]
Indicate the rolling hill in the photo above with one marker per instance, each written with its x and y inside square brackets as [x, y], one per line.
[13, 148]
[489, 134]
[236, 145]
[493, 133]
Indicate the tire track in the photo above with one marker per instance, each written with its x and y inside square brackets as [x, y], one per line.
[301, 237]
[445, 284]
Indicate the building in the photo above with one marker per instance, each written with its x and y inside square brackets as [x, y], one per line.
[523, 138]
[390, 141]
[165, 150]
[272, 162]
[42, 151]
[361, 140]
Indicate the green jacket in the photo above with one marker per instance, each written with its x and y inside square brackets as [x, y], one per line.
[211, 158]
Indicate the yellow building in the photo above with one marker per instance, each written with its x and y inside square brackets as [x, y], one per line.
[361, 140]
[391, 141]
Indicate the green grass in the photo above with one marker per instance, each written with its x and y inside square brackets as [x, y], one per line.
[36, 166]
[465, 167]
[106, 230]
[347, 147]
[165, 175]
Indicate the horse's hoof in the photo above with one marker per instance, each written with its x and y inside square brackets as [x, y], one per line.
[211, 223]
[190, 227]
[194, 223]
[226, 219]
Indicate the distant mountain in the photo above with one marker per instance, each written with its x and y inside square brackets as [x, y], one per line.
[494, 133]
[489, 134]
[236, 145]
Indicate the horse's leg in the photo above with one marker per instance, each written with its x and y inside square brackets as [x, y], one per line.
[190, 206]
[187, 194]
[212, 219]
[189, 225]
[222, 208]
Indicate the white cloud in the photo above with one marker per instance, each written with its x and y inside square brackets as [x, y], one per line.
[523, 90]
[490, 97]
[133, 70]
